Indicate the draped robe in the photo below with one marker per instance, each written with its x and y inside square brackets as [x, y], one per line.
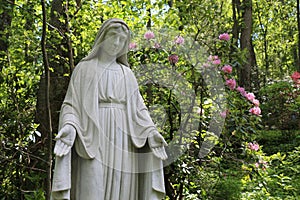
[81, 109]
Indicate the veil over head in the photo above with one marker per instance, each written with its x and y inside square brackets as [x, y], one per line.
[108, 24]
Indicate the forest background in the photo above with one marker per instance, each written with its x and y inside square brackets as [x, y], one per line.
[247, 52]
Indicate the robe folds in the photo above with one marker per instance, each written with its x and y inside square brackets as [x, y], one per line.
[80, 108]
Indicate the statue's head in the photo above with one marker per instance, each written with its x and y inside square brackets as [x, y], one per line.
[113, 37]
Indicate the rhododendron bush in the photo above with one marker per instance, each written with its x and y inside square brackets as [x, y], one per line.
[196, 103]
[209, 119]
[281, 104]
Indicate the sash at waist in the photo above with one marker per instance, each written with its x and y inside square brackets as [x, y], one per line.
[112, 105]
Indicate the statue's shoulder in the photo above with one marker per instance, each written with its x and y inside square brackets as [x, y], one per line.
[131, 79]
[85, 63]
[127, 70]
[84, 67]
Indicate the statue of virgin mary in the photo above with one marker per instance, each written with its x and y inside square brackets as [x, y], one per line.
[108, 148]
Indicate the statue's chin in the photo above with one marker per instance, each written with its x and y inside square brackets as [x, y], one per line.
[113, 51]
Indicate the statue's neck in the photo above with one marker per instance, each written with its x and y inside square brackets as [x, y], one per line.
[108, 64]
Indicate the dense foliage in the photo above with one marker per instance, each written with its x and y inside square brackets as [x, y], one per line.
[226, 140]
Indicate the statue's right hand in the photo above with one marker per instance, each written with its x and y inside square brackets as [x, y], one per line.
[64, 140]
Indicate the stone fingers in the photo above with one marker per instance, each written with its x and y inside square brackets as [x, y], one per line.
[160, 153]
[57, 148]
[64, 149]
[165, 143]
[164, 154]
[61, 148]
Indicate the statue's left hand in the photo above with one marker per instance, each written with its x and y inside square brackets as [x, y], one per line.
[157, 144]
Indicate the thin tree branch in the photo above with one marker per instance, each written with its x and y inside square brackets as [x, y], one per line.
[47, 75]
[69, 41]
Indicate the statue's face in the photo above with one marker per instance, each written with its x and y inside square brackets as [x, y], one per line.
[114, 41]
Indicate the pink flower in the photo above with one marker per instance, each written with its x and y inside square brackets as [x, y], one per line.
[211, 58]
[149, 35]
[227, 69]
[231, 83]
[224, 36]
[157, 45]
[255, 102]
[132, 45]
[173, 58]
[206, 65]
[241, 90]
[255, 110]
[296, 77]
[262, 164]
[253, 146]
[216, 62]
[224, 113]
[250, 96]
[179, 40]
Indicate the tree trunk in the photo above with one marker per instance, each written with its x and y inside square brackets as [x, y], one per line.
[61, 61]
[264, 29]
[236, 27]
[298, 27]
[246, 31]
[60, 56]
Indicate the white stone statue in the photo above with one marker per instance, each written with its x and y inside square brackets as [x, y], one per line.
[108, 147]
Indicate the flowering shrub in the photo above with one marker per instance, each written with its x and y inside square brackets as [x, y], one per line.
[270, 177]
[243, 112]
[281, 104]
[152, 59]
